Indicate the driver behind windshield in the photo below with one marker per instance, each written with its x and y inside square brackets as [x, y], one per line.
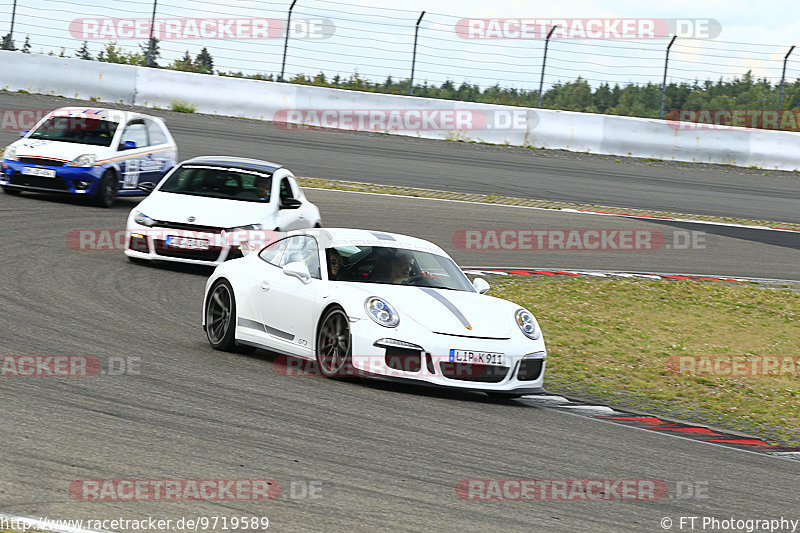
[401, 265]
[335, 268]
[400, 270]
[263, 186]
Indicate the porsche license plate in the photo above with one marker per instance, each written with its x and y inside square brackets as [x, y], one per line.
[187, 243]
[476, 358]
[44, 172]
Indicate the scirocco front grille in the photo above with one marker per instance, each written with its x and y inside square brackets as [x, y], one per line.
[210, 254]
[187, 227]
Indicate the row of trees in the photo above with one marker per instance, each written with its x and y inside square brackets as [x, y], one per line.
[746, 92]
[628, 100]
[7, 43]
[202, 63]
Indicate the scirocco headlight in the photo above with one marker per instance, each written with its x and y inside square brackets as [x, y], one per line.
[10, 153]
[381, 312]
[250, 227]
[83, 161]
[527, 324]
[144, 220]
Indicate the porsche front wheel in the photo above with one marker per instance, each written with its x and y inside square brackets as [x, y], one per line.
[333, 344]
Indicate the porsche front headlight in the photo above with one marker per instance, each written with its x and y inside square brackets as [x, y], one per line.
[527, 324]
[381, 312]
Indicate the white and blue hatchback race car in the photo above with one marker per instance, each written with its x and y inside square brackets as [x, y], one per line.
[101, 153]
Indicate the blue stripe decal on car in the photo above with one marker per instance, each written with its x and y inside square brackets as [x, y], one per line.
[448, 304]
[383, 236]
[252, 324]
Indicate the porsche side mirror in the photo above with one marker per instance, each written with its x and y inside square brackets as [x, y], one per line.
[481, 285]
[290, 203]
[23, 133]
[128, 145]
[298, 270]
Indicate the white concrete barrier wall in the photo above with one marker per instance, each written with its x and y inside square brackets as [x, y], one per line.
[63, 76]
[402, 115]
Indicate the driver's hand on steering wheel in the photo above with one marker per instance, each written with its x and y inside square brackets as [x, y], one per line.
[422, 276]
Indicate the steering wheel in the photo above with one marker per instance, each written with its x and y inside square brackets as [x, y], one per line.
[421, 276]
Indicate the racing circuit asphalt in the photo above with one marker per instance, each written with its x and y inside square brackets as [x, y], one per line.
[388, 456]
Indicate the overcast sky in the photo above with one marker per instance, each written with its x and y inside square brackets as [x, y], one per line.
[376, 38]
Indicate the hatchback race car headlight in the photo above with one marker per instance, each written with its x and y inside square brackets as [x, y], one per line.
[10, 153]
[527, 324]
[382, 312]
[250, 227]
[83, 161]
[144, 220]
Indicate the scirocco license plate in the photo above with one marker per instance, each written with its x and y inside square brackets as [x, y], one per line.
[187, 243]
[476, 358]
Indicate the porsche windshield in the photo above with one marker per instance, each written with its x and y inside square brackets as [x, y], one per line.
[398, 266]
[220, 182]
[78, 129]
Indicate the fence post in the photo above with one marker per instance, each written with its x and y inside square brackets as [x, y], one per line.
[149, 58]
[414, 56]
[664, 82]
[11, 31]
[783, 78]
[544, 61]
[286, 39]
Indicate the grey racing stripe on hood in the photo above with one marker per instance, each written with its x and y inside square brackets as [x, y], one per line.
[448, 304]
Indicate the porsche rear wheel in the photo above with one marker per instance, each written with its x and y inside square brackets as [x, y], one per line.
[334, 350]
[221, 316]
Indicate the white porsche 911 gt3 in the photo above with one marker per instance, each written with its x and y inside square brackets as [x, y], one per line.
[376, 304]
